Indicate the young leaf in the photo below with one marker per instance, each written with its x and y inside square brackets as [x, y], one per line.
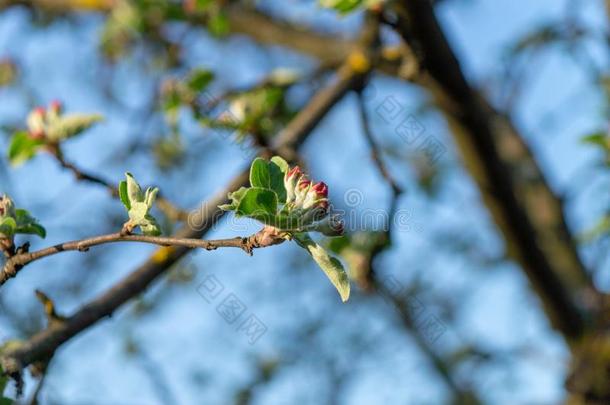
[600, 139]
[235, 198]
[281, 163]
[71, 125]
[331, 266]
[123, 195]
[27, 224]
[269, 175]
[7, 227]
[150, 196]
[3, 384]
[259, 174]
[134, 192]
[258, 203]
[199, 79]
[150, 227]
[276, 180]
[138, 205]
[23, 148]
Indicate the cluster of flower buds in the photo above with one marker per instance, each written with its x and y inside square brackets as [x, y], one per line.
[7, 208]
[7, 213]
[310, 202]
[39, 118]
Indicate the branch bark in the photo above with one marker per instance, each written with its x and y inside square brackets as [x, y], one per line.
[260, 239]
[512, 184]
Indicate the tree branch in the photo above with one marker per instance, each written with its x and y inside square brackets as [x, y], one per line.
[45, 343]
[260, 239]
[163, 203]
[509, 178]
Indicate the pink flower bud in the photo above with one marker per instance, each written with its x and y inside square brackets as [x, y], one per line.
[303, 183]
[36, 123]
[321, 189]
[295, 171]
[55, 106]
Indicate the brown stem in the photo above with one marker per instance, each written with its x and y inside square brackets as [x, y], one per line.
[266, 237]
[164, 205]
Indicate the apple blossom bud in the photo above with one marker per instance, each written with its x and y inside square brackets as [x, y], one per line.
[36, 122]
[302, 189]
[303, 183]
[315, 194]
[321, 189]
[55, 107]
[290, 180]
[7, 208]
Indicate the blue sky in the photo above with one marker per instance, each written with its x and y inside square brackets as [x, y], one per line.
[201, 357]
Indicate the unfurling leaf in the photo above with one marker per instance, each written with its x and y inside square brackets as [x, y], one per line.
[123, 195]
[68, 126]
[138, 206]
[27, 224]
[258, 203]
[331, 266]
[17, 221]
[23, 147]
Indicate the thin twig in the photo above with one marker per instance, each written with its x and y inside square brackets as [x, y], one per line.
[259, 239]
[164, 205]
[375, 151]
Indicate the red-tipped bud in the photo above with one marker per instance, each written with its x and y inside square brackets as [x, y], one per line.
[39, 111]
[303, 183]
[55, 106]
[295, 171]
[321, 189]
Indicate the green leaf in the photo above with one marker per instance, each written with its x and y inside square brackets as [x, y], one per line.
[331, 266]
[235, 198]
[123, 194]
[199, 79]
[3, 384]
[281, 163]
[69, 126]
[269, 175]
[276, 178]
[23, 148]
[27, 224]
[259, 174]
[342, 6]
[150, 227]
[134, 192]
[258, 203]
[336, 245]
[138, 212]
[598, 139]
[150, 196]
[218, 25]
[139, 216]
[8, 227]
